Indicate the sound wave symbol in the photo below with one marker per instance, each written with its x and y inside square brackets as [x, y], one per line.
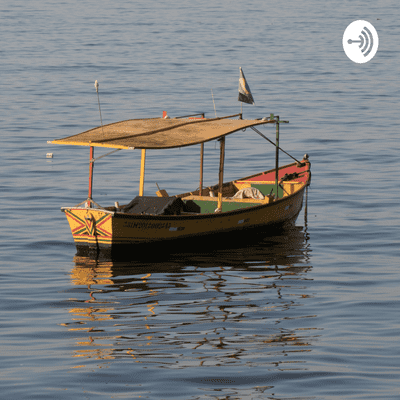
[366, 41]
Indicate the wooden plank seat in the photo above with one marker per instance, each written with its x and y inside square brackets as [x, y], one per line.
[207, 204]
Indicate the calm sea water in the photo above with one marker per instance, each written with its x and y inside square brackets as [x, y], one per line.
[311, 313]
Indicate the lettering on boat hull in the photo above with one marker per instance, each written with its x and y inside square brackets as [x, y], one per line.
[147, 225]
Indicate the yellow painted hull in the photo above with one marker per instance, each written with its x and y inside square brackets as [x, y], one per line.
[104, 229]
[101, 228]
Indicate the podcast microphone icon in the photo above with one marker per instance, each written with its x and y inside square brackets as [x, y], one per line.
[365, 37]
[362, 34]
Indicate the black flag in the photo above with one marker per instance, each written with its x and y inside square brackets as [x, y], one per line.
[244, 91]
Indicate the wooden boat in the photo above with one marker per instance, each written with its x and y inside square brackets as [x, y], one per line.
[267, 199]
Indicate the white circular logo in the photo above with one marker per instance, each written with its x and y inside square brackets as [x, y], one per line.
[360, 41]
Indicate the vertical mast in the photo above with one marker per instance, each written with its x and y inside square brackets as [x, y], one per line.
[277, 148]
[142, 164]
[277, 156]
[201, 169]
[201, 164]
[221, 171]
[91, 162]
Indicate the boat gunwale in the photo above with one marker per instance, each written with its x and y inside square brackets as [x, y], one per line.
[191, 216]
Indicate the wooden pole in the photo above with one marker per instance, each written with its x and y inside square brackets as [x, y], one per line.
[221, 171]
[91, 162]
[142, 164]
[277, 156]
[201, 164]
[201, 169]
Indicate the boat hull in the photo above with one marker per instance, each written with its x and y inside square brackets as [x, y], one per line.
[102, 229]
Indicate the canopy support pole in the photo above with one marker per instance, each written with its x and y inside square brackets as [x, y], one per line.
[277, 156]
[142, 164]
[201, 161]
[91, 162]
[201, 169]
[221, 171]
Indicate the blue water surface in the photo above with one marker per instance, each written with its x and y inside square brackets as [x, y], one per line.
[309, 313]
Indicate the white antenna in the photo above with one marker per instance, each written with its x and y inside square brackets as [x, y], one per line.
[214, 103]
[96, 85]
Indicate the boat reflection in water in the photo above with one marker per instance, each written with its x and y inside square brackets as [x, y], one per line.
[228, 307]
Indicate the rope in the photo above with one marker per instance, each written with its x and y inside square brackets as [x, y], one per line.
[104, 155]
[257, 131]
[92, 201]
